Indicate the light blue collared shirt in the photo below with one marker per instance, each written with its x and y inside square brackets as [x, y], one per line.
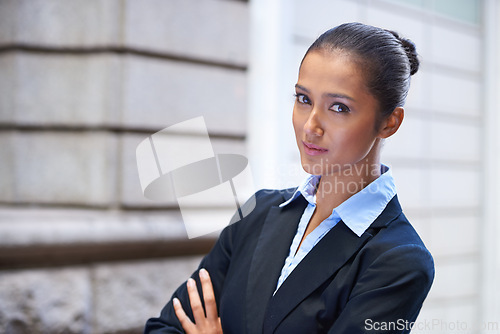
[358, 212]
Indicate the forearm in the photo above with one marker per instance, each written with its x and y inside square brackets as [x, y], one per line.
[216, 263]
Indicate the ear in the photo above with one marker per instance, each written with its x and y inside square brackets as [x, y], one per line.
[391, 123]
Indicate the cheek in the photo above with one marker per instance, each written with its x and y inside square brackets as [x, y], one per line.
[297, 124]
[355, 138]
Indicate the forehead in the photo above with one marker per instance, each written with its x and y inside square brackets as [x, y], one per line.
[338, 71]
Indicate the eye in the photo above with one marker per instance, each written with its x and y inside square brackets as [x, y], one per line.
[340, 108]
[302, 99]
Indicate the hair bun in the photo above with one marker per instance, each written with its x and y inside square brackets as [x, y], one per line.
[411, 52]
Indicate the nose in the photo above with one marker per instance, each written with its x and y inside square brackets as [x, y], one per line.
[313, 126]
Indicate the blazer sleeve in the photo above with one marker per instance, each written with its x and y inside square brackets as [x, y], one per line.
[389, 293]
[216, 262]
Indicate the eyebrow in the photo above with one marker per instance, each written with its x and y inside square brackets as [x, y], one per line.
[327, 94]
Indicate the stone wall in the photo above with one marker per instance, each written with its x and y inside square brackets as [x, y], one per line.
[82, 83]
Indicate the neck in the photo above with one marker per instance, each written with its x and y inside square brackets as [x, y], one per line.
[335, 188]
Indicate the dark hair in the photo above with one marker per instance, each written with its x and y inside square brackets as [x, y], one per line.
[388, 60]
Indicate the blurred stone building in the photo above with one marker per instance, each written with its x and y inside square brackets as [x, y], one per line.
[82, 83]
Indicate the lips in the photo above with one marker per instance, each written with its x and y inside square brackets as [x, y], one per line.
[311, 149]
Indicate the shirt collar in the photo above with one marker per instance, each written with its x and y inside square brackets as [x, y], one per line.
[360, 210]
[307, 189]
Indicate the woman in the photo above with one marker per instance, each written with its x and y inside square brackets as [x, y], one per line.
[336, 254]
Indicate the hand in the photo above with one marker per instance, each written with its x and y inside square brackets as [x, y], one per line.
[203, 324]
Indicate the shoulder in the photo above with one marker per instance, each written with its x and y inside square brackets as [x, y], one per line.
[396, 243]
[256, 210]
[395, 256]
[397, 234]
[264, 199]
[277, 196]
[392, 229]
[400, 245]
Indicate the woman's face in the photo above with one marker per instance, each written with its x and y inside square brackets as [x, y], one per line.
[334, 115]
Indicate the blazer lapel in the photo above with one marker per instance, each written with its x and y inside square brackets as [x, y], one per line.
[322, 262]
[270, 253]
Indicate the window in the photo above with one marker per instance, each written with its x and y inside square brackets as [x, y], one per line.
[461, 10]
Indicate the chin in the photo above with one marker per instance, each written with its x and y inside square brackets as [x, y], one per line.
[320, 168]
[314, 169]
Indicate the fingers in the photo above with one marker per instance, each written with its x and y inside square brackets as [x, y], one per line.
[202, 324]
[183, 318]
[194, 299]
[208, 295]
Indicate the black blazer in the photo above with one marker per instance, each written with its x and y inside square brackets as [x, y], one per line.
[346, 284]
